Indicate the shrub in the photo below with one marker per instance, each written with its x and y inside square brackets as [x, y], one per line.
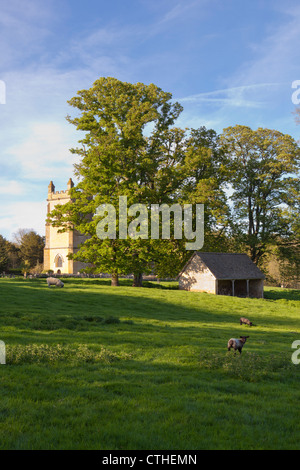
[250, 367]
[43, 353]
[111, 319]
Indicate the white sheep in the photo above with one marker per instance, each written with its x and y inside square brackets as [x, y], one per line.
[237, 344]
[52, 281]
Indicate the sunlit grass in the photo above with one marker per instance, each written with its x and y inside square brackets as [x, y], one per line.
[91, 366]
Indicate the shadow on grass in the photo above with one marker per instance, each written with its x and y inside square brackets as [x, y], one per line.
[21, 300]
[137, 405]
[79, 307]
[169, 285]
[286, 294]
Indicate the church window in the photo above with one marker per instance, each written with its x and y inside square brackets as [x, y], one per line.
[58, 261]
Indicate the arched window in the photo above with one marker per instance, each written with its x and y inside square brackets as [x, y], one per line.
[58, 261]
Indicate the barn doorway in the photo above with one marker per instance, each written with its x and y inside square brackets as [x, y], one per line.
[224, 287]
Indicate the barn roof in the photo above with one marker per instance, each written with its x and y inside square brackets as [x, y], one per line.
[228, 265]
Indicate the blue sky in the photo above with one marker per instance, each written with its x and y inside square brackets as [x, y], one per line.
[227, 62]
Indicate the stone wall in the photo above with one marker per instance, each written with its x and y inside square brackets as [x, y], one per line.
[197, 277]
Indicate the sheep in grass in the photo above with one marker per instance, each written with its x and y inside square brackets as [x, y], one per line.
[52, 281]
[245, 321]
[237, 344]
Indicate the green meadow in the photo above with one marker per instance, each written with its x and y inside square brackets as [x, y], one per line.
[92, 366]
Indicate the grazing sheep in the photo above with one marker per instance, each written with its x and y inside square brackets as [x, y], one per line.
[237, 344]
[245, 321]
[52, 281]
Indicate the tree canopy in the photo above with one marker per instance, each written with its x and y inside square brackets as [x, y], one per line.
[263, 171]
[31, 247]
[131, 148]
[3, 254]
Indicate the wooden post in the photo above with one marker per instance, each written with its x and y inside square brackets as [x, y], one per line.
[232, 282]
[248, 289]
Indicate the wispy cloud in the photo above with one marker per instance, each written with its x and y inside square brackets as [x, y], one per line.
[179, 10]
[277, 56]
[12, 188]
[24, 29]
[239, 96]
[46, 58]
[43, 152]
[15, 215]
[262, 85]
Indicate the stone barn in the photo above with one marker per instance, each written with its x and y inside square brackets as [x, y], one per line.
[222, 274]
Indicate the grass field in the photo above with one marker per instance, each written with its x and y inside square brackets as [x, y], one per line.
[91, 366]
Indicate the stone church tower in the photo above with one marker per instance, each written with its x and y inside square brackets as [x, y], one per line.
[59, 245]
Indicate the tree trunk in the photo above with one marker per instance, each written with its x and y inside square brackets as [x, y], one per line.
[114, 279]
[137, 280]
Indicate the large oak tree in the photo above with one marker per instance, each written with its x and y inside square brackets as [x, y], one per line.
[131, 148]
